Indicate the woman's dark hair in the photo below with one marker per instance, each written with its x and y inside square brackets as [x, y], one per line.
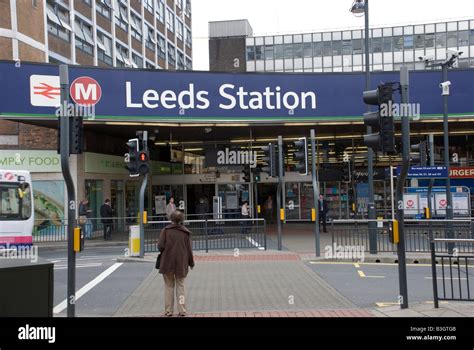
[177, 217]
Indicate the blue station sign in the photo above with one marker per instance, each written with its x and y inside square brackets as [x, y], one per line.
[32, 91]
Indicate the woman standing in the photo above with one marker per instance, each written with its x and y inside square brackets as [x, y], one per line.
[176, 256]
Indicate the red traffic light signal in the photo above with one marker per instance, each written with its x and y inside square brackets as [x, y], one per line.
[143, 157]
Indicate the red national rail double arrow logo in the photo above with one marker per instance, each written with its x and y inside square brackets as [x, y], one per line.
[46, 90]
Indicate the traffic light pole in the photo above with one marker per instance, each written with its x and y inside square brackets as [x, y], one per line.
[71, 194]
[317, 236]
[142, 199]
[370, 152]
[402, 268]
[280, 189]
[430, 185]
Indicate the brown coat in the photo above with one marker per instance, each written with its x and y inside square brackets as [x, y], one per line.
[176, 252]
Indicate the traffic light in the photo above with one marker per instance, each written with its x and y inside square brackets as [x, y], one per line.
[269, 157]
[246, 175]
[420, 153]
[143, 164]
[384, 139]
[76, 135]
[131, 158]
[346, 175]
[301, 155]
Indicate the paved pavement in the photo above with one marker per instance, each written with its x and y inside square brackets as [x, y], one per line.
[256, 283]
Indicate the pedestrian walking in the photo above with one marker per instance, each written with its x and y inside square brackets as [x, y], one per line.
[106, 213]
[176, 256]
[170, 208]
[323, 211]
[85, 222]
[269, 210]
[245, 215]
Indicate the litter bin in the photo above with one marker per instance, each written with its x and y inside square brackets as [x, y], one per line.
[134, 242]
[27, 288]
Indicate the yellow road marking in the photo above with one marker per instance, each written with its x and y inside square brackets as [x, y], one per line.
[361, 273]
[357, 265]
[384, 304]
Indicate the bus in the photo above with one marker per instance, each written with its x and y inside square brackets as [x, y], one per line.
[16, 208]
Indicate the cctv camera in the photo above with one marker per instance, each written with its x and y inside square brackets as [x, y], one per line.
[445, 88]
[426, 58]
[445, 84]
[455, 53]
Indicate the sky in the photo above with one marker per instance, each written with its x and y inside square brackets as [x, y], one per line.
[304, 16]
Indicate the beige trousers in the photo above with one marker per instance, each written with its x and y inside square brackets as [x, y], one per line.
[173, 282]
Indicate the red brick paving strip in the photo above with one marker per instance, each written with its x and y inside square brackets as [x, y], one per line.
[305, 313]
[262, 257]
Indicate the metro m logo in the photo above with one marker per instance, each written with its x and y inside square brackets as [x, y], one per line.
[85, 91]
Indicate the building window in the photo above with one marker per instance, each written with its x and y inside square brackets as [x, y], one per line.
[376, 45]
[148, 4]
[288, 51]
[327, 48]
[419, 41]
[137, 61]
[279, 51]
[150, 41]
[250, 53]
[307, 50]
[269, 52]
[189, 38]
[180, 30]
[429, 40]
[452, 39]
[463, 38]
[187, 10]
[189, 64]
[121, 56]
[84, 40]
[136, 26]
[179, 3]
[104, 8]
[121, 15]
[472, 37]
[171, 55]
[169, 20]
[160, 11]
[347, 47]
[58, 21]
[88, 2]
[317, 49]
[149, 65]
[181, 63]
[440, 40]
[161, 47]
[397, 43]
[259, 52]
[104, 48]
[357, 46]
[408, 42]
[298, 49]
[337, 48]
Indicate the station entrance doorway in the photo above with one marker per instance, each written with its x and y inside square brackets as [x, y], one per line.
[199, 198]
[266, 190]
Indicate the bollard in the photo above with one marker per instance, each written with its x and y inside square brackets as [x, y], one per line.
[134, 241]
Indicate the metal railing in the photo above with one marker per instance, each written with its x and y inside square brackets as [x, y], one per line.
[418, 234]
[457, 271]
[45, 231]
[210, 234]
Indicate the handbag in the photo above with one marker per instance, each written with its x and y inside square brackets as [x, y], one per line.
[82, 220]
[158, 259]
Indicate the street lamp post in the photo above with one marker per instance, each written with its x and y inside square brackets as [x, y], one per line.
[360, 8]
